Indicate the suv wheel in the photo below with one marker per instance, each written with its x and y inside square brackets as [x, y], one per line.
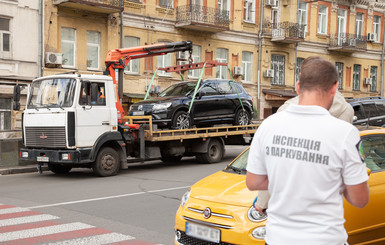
[181, 120]
[242, 117]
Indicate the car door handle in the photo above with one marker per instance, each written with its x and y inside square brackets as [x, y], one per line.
[379, 120]
[105, 123]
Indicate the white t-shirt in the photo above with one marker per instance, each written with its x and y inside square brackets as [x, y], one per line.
[308, 156]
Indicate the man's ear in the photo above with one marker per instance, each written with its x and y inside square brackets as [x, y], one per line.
[334, 88]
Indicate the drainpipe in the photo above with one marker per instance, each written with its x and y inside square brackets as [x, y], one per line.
[121, 25]
[382, 61]
[40, 31]
[259, 62]
[296, 46]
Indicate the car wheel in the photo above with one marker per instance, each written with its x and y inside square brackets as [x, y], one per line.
[107, 162]
[242, 117]
[59, 169]
[215, 152]
[181, 120]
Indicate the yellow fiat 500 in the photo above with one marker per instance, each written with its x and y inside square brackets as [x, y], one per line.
[218, 209]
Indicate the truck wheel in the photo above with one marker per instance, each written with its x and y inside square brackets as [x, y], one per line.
[168, 158]
[215, 152]
[59, 169]
[242, 117]
[107, 163]
[181, 120]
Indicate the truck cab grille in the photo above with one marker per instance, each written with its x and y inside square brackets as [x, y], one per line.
[50, 137]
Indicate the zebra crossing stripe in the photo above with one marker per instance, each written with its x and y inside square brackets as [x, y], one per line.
[98, 239]
[27, 219]
[9, 236]
[13, 210]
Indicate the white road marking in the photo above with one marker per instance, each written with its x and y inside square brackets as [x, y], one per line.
[13, 210]
[96, 240]
[9, 236]
[27, 219]
[108, 197]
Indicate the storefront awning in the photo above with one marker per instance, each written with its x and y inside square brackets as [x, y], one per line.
[277, 94]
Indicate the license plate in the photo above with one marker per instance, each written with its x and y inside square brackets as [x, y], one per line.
[203, 232]
[42, 159]
[138, 113]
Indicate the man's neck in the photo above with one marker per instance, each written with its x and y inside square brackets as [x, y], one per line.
[315, 98]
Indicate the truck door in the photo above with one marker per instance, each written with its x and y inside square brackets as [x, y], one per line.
[92, 113]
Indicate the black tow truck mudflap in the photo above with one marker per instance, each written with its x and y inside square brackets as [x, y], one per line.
[66, 156]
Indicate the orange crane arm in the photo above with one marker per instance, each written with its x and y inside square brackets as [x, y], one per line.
[119, 58]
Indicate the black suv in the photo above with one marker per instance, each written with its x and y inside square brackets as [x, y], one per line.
[369, 111]
[216, 101]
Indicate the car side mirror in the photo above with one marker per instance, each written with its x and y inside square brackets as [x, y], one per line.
[368, 171]
[200, 94]
[355, 118]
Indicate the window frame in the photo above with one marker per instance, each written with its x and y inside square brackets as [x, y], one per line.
[163, 5]
[377, 27]
[164, 61]
[323, 20]
[340, 71]
[73, 42]
[249, 9]
[6, 54]
[245, 64]
[298, 65]
[302, 14]
[221, 69]
[3, 115]
[131, 64]
[196, 56]
[356, 77]
[373, 76]
[359, 25]
[221, 5]
[97, 45]
[281, 67]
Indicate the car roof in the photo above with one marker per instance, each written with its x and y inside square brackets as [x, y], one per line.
[370, 130]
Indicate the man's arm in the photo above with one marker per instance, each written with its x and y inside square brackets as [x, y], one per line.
[256, 182]
[357, 195]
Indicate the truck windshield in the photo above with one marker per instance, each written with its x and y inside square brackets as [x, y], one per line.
[180, 89]
[50, 93]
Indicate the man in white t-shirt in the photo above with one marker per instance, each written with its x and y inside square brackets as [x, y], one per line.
[308, 160]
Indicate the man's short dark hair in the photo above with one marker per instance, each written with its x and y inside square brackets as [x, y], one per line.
[317, 73]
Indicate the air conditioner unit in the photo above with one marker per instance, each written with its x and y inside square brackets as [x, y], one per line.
[153, 89]
[367, 81]
[181, 55]
[272, 3]
[53, 59]
[237, 71]
[352, 42]
[372, 37]
[268, 73]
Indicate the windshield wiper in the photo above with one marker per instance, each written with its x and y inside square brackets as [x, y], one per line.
[235, 169]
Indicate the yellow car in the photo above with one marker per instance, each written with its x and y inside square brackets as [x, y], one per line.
[218, 209]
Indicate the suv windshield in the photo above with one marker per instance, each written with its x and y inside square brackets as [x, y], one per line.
[180, 89]
[50, 93]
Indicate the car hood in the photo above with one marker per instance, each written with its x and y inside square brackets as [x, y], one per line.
[157, 100]
[224, 187]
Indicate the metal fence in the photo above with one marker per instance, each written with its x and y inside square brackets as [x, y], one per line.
[346, 40]
[284, 29]
[202, 14]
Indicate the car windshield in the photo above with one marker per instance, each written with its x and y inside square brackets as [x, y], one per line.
[240, 163]
[180, 89]
[49, 93]
[373, 151]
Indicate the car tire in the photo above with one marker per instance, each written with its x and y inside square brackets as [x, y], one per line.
[214, 154]
[181, 120]
[59, 169]
[242, 117]
[107, 162]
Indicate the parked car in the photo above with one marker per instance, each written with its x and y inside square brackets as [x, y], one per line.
[218, 208]
[216, 101]
[369, 111]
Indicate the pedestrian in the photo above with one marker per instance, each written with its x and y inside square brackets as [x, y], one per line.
[308, 160]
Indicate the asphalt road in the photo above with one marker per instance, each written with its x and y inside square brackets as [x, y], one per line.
[140, 202]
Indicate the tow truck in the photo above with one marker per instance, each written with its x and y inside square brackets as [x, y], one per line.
[77, 120]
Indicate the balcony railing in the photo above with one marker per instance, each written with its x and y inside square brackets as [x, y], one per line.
[348, 42]
[202, 18]
[101, 6]
[284, 31]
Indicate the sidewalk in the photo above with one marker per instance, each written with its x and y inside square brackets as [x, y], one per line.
[21, 169]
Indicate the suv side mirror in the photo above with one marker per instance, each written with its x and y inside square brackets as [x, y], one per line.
[355, 118]
[200, 94]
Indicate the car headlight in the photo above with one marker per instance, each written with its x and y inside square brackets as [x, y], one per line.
[161, 106]
[255, 216]
[185, 198]
[259, 232]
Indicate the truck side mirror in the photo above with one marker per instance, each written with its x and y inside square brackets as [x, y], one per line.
[16, 97]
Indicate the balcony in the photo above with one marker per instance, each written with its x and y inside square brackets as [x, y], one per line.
[99, 6]
[348, 43]
[285, 32]
[202, 18]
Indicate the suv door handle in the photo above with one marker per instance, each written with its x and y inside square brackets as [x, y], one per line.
[379, 120]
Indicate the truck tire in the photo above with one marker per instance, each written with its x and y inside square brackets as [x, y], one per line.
[242, 117]
[215, 152]
[107, 162]
[59, 169]
[181, 120]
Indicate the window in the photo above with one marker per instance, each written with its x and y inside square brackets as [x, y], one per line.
[373, 149]
[166, 3]
[5, 113]
[249, 11]
[373, 76]
[302, 12]
[93, 49]
[68, 48]
[164, 61]
[278, 66]
[224, 5]
[298, 68]
[209, 89]
[376, 27]
[225, 88]
[5, 38]
[359, 24]
[247, 62]
[221, 71]
[95, 95]
[356, 77]
[133, 65]
[196, 56]
[322, 19]
[340, 70]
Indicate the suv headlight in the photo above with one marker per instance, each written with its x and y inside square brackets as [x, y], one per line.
[161, 106]
[185, 198]
[255, 216]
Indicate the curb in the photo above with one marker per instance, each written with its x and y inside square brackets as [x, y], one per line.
[21, 169]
